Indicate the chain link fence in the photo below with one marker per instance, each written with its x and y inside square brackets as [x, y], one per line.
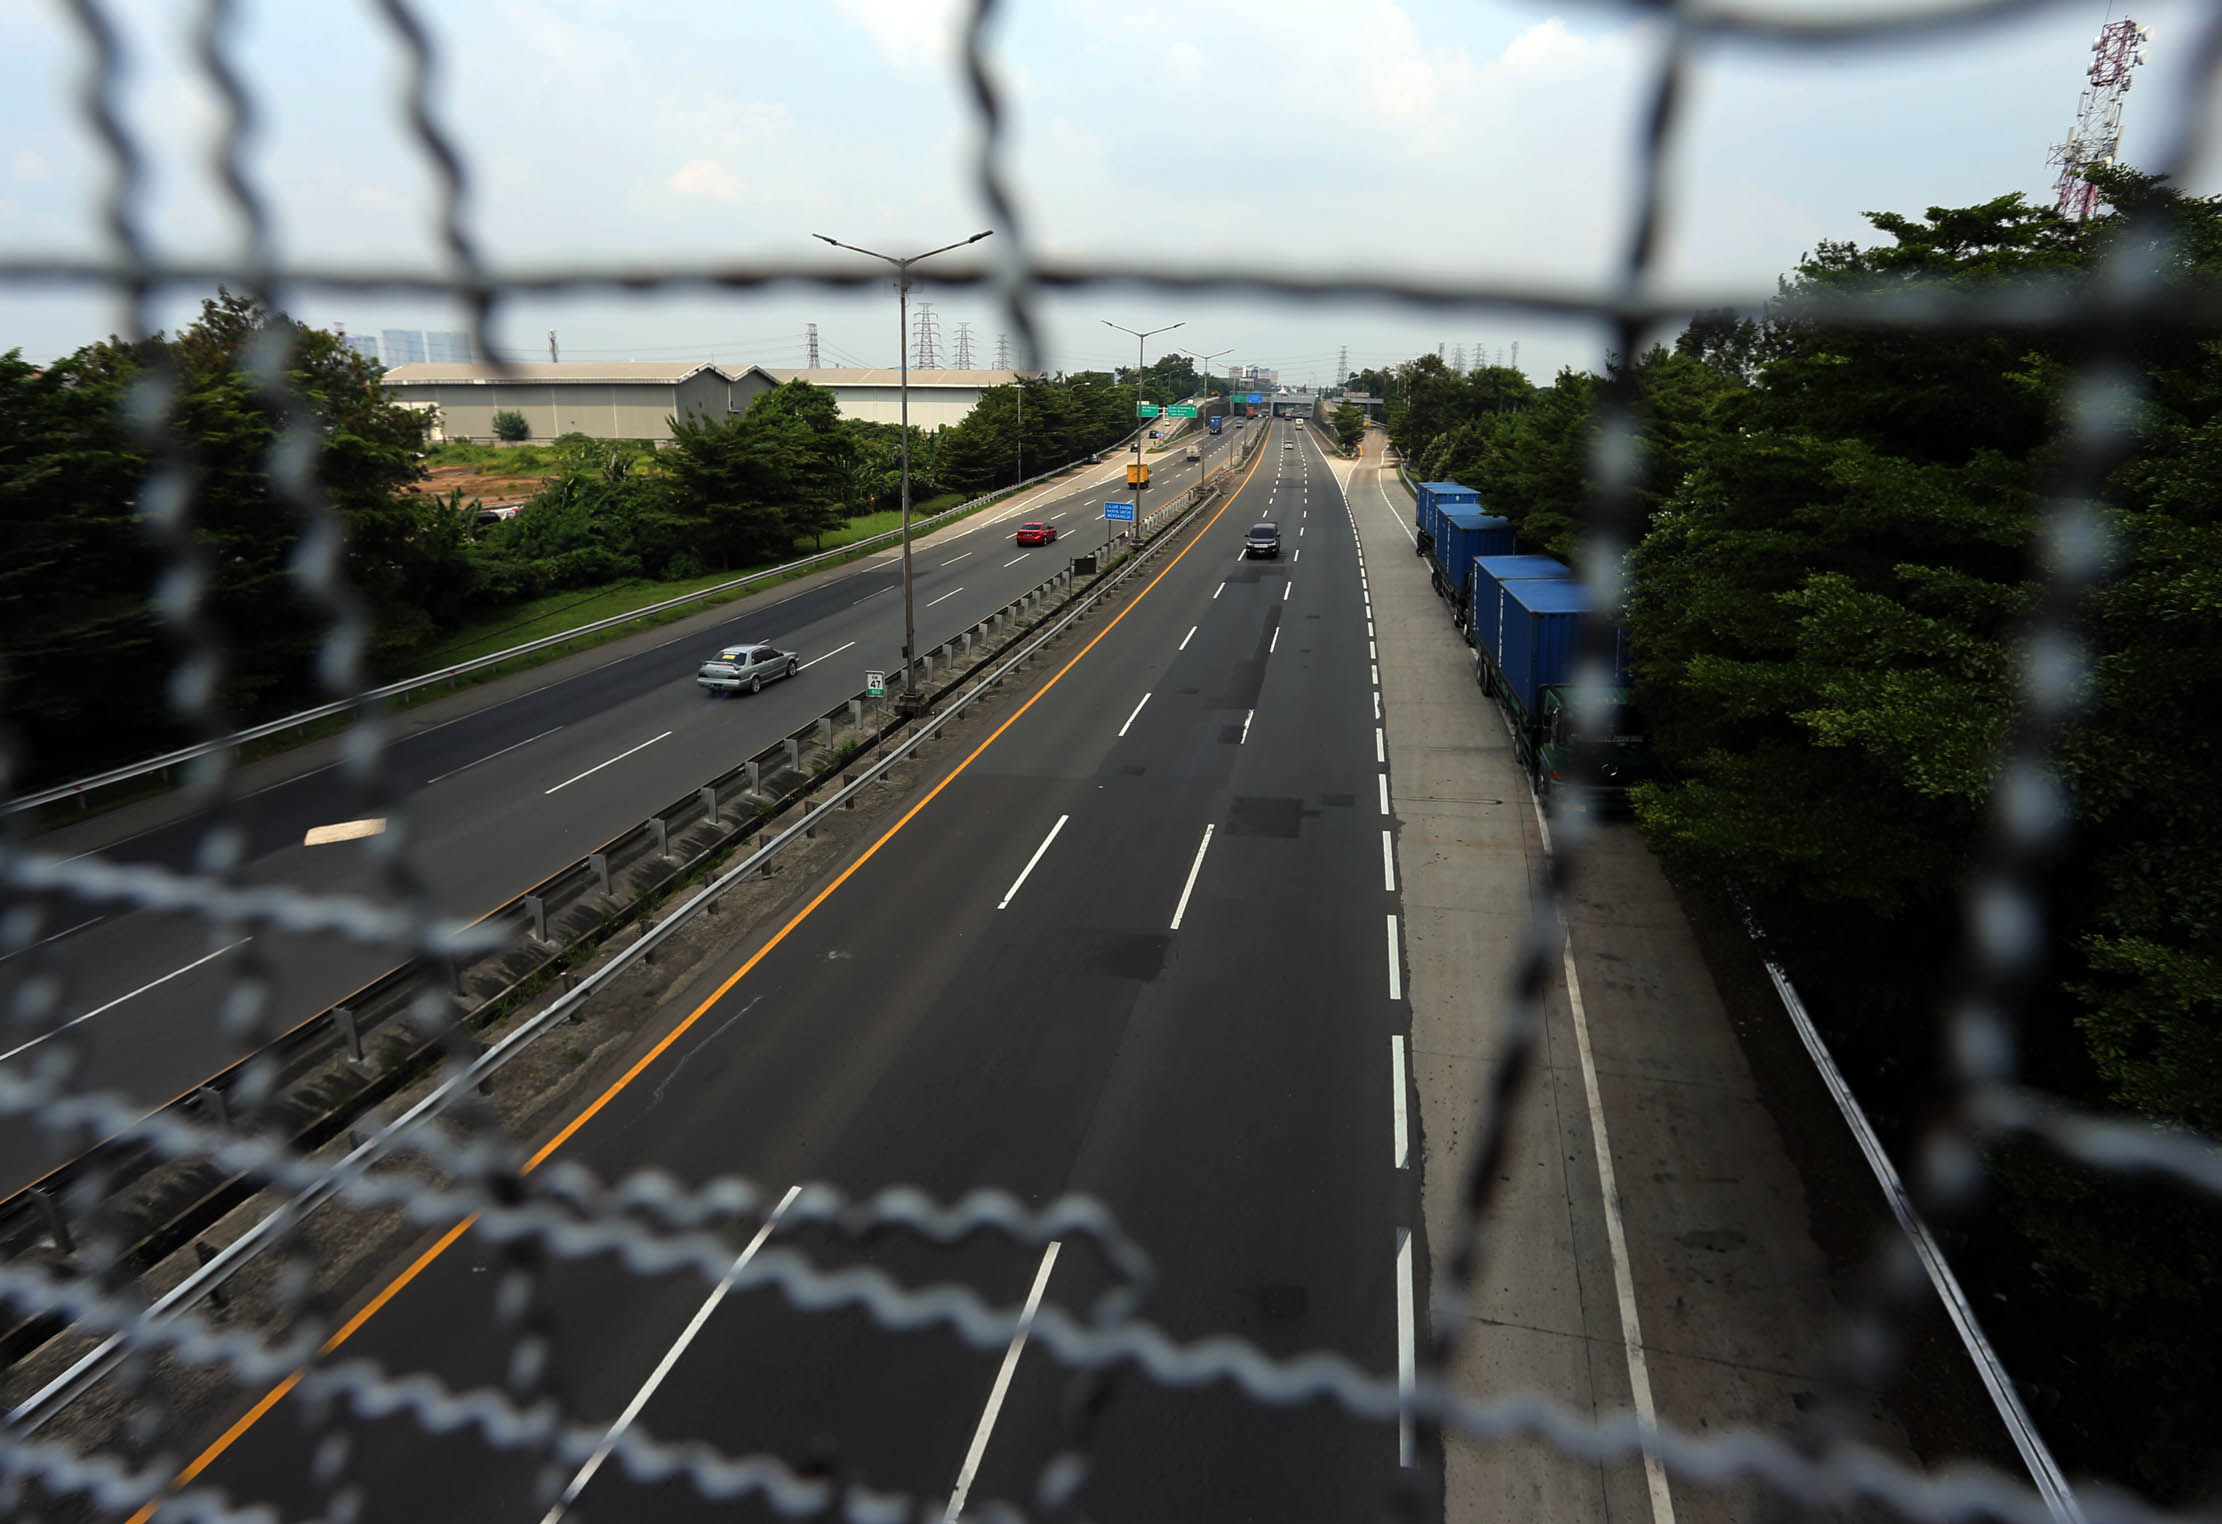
[450, 1166]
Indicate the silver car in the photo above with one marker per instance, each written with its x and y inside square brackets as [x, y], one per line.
[747, 666]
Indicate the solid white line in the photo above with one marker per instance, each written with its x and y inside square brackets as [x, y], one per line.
[597, 767]
[1276, 643]
[663, 1366]
[1388, 863]
[944, 598]
[1002, 1385]
[953, 560]
[836, 651]
[1137, 710]
[1396, 1080]
[1189, 888]
[1221, 588]
[1022, 555]
[1384, 793]
[1247, 716]
[1290, 587]
[1406, 1355]
[1191, 635]
[120, 999]
[1019, 882]
[1380, 746]
[490, 756]
[56, 937]
[1631, 1331]
[1396, 969]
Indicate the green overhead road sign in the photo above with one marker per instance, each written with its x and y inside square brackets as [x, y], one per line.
[1145, 410]
[1184, 410]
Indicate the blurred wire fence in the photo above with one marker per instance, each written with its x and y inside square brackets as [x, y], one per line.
[560, 1212]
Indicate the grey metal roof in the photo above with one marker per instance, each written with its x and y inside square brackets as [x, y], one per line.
[638, 372]
[889, 377]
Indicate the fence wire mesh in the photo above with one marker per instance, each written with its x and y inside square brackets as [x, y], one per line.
[456, 1168]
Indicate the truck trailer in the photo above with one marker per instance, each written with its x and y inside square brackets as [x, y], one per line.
[1525, 652]
[1463, 534]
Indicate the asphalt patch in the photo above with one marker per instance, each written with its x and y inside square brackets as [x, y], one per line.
[1138, 955]
[1266, 815]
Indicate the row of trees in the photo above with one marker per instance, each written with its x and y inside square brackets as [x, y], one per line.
[1840, 538]
[130, 456]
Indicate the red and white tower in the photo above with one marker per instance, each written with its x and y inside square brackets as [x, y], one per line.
[2097, 136]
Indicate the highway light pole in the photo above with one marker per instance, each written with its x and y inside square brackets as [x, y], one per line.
[902, 355]
[1140, 335]
[1207, 359]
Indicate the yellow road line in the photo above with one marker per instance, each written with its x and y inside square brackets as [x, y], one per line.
[347, 1330]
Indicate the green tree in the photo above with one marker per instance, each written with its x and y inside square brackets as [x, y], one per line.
[1350, 426]
[510, 426]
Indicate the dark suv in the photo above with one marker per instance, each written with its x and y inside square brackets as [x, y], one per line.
[1264, 540]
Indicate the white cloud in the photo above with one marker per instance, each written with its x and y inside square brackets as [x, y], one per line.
[910, 34]
[707, 178]
[28, 168]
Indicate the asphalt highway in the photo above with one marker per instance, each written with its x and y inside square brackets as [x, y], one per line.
[490, 803]
[1142, 944]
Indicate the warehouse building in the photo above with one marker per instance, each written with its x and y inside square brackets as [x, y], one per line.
[637, 399]
[624, 400]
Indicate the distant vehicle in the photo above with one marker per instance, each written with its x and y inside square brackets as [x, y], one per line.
[1218, 421]
[1264, 540]
[496, 515]
[749, 666]
[1036, 534]
[1299, 425]
[1288, 444]
[1195, 451]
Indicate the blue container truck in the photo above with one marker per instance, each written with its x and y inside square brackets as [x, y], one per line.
[1433, 498]
[1461, 535]
[1485, 579]
[1525, 660]
[1216, 420]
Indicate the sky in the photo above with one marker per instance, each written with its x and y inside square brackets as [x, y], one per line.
[1424, 140]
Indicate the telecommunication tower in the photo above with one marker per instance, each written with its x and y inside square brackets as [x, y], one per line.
[810, 339]
[2097, 135]
[964, 346]
[924, 351]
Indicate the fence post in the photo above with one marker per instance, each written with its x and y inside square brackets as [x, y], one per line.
[598, 864]
[856, 712]
[350, 1032]
[662, 834]
[755, 777]
[794, 753]
[57, 1226]
[825, 732]
[708, 794]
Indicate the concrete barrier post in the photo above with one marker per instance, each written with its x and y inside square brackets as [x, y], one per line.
[708, 794]
[212, 1101]
[825, 732]
[57, 1225]
[598, 864]
[856, 712]
[793, 748]
[755, 777]
[536, 917]
[660, 833]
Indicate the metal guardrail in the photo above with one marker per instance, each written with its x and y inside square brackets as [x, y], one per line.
[322, 1092]
[83, 787]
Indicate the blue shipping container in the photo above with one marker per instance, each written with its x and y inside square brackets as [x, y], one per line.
[1485, 578]
[1436, 496]
[1542, 638]
[1462, 534]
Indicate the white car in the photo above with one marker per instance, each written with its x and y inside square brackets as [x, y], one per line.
[748, 666]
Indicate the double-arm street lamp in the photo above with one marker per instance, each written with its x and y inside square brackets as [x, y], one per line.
[1206, 361]
[1140, 335]
[902, 352]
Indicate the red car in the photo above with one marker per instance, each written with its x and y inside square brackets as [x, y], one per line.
[1036, 534]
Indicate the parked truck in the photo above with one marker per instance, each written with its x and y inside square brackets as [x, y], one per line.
[1434, 497]
[1526, 632]
[1462, 534]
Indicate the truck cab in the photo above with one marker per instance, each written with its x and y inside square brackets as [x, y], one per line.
[1593, 769]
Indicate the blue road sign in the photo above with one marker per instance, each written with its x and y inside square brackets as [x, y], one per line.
[1122, 513]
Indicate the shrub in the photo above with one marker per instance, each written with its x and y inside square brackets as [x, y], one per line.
[511, 426]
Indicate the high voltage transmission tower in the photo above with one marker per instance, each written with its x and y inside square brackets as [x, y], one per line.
[2096, 137]
[1458, 358]
[964, 346]
[810, 339]
[925, 352]
[1002, 351]
[1342, 366]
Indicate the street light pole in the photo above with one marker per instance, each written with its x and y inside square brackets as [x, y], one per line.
[902, 357]
[1140, 335]
[1207, 359]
